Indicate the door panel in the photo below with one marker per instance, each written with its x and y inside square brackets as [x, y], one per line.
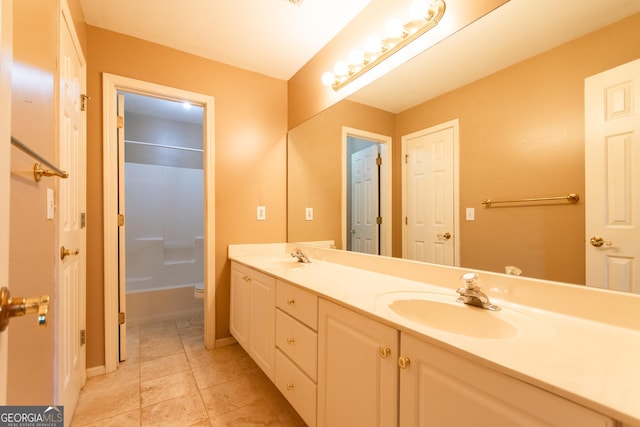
[429, 192]
[5, 154]
[364, 199]
[612, 165]
[72, 276]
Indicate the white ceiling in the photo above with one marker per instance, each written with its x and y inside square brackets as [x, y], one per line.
[271, 37]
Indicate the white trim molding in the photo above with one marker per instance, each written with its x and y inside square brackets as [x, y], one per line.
[111, 85]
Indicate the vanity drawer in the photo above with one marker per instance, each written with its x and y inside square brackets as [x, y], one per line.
[298, 342]
[298, 303]
[299, 390]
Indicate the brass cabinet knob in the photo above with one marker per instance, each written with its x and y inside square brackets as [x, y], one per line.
[64, 252]
[404, 362]
[289, 386]
[384, 352]
[14, 307]
[291, 340]
[291, 301]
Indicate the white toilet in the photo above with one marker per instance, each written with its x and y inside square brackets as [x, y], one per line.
[198, 291]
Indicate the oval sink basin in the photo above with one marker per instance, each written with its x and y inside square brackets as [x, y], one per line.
[454, 317]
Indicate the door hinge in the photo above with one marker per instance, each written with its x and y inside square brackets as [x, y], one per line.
[83, 336]
[379, 220]
[83, 102]
[406, 220]
[83, 219]
[120, 220]
[406, 158]
[121, 318]
[120, 122]
[379, 160]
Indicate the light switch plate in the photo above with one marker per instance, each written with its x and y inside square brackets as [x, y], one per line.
[261, 213]
[51, 204]
[308, 214]
[471, 214]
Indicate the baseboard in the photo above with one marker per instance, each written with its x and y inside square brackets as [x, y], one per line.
[225, 341]
[96, 371]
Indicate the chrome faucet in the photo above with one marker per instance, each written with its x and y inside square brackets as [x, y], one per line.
[472, 295]
[301, 256]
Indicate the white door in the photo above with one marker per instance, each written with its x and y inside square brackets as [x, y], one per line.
[71, 300]
[612, 178]
[429, 195]
[122, 246]
[364, 200]
[5, 137]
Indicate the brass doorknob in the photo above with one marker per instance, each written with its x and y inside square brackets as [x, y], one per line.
[445, 236]
[14, 307]
[67, 252]
[598, 241]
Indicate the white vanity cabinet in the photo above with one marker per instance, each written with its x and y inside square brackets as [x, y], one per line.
[357, 369]
[439, 388]
[297, 348]
[252, 317]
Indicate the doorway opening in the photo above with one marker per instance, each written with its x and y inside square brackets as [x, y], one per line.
[114, 221]
[163, 254]
[366, 192]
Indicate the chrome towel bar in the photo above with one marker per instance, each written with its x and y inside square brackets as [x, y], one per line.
[571, 198]
[38, 172]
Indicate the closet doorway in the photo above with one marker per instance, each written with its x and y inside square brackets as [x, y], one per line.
[156, 252]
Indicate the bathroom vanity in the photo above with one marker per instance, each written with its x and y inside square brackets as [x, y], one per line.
[351, 339]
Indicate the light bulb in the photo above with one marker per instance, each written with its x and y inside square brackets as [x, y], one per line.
[419, 9]
[340, 69]
[394, 29]
[374, 44]
[328, 78]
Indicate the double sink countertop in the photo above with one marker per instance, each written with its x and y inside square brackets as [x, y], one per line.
[580, 343]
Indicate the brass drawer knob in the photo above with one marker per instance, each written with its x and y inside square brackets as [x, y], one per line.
[289, 386]
[291, 301]
[291, 340]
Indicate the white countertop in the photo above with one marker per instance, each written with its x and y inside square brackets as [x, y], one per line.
[593, 363]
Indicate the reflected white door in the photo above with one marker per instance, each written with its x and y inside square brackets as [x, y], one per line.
[71, 299]
[429, 202]
[5, 154]
[612, 178]
[364, 200]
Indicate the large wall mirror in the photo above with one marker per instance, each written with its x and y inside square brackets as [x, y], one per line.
[513, 83]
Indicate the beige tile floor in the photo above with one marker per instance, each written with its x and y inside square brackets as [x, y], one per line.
[170, 379]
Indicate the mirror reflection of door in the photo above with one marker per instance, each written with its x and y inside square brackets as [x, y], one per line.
[364, 197]
[612, 178]
[430, 195]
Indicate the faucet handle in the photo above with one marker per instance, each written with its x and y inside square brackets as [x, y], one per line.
[469, 280]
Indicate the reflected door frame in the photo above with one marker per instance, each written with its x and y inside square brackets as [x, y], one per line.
[111, 84]
[385, 185]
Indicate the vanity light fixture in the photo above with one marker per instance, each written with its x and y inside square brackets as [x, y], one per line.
[424, 16]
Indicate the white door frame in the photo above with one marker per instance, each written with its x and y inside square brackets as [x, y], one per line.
[455, 125]
[385, 185]
[111, 84]
[5, 166]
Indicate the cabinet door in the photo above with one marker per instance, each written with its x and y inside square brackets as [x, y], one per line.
[439, 388]
[357, 370]
[239, 309]
[262, 321]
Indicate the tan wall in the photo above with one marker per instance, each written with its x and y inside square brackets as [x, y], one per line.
[308, 96]
[522, 135]
[315, 161]
[250, 138]
[33, 239]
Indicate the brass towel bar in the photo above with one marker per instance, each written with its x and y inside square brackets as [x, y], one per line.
[571, 198]
[38, 172]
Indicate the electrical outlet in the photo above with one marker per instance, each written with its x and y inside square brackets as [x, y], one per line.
[261, 213]
[308, 215]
